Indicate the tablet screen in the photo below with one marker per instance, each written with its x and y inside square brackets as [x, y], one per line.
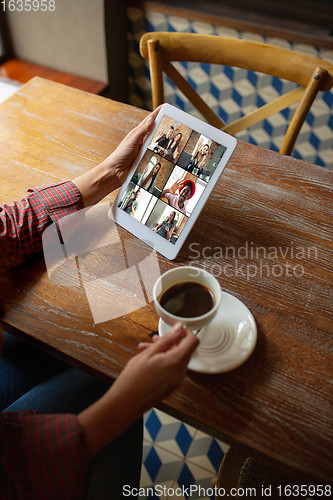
[170, 178]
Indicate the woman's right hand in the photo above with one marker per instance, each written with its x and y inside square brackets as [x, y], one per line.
[147, 379]
[159, 369]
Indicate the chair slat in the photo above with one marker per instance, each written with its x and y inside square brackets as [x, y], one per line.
[302, 110]
[265, 111]
[192, 95]
[156, 72]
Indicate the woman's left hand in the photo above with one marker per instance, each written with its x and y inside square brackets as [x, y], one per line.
[123, 157]
[109, 175]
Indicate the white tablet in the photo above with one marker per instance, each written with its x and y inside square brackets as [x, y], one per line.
[171, 179]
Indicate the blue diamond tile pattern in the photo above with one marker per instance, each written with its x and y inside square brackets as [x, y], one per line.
[176, 457]
[183, 439]
[247, 87]
[152, 463]
[185, 478]
[153, 424]
[215, 454]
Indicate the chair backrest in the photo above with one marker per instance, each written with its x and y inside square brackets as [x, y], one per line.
[310, 73]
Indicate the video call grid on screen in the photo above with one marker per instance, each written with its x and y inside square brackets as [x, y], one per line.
[170, 178]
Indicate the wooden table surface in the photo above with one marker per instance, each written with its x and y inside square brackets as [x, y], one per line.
[279, 403]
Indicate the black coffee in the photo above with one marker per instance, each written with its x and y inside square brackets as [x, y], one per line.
[187, 299]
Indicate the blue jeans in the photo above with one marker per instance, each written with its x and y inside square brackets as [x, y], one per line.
[32, 380]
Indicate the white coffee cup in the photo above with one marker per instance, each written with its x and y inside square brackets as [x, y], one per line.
[185, 274]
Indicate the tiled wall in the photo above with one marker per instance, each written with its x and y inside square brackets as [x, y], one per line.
[177, 457]
[232, 92]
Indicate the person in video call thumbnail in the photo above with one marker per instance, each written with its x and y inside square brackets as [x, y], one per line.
[167, 227]
[172, 151]
[148, 179]
[163, 141]
[186, 189]
[198, 159]
[132, 203]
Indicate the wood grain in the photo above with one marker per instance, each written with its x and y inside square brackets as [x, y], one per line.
[279, 403]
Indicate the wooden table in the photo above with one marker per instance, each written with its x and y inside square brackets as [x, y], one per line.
[279, 403]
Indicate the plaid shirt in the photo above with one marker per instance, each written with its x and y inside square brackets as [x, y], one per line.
[23, 222]
[41, 456]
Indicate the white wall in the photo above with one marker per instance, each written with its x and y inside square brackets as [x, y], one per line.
[70, 39]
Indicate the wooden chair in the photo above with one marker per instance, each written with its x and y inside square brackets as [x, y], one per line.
[309, 73]
[243, 472]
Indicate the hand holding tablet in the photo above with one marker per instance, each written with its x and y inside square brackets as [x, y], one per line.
[172, 178]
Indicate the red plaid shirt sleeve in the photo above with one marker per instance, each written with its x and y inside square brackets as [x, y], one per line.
[42, 456]
[22, 223]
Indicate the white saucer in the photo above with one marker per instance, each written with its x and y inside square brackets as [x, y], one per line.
[227, 342]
